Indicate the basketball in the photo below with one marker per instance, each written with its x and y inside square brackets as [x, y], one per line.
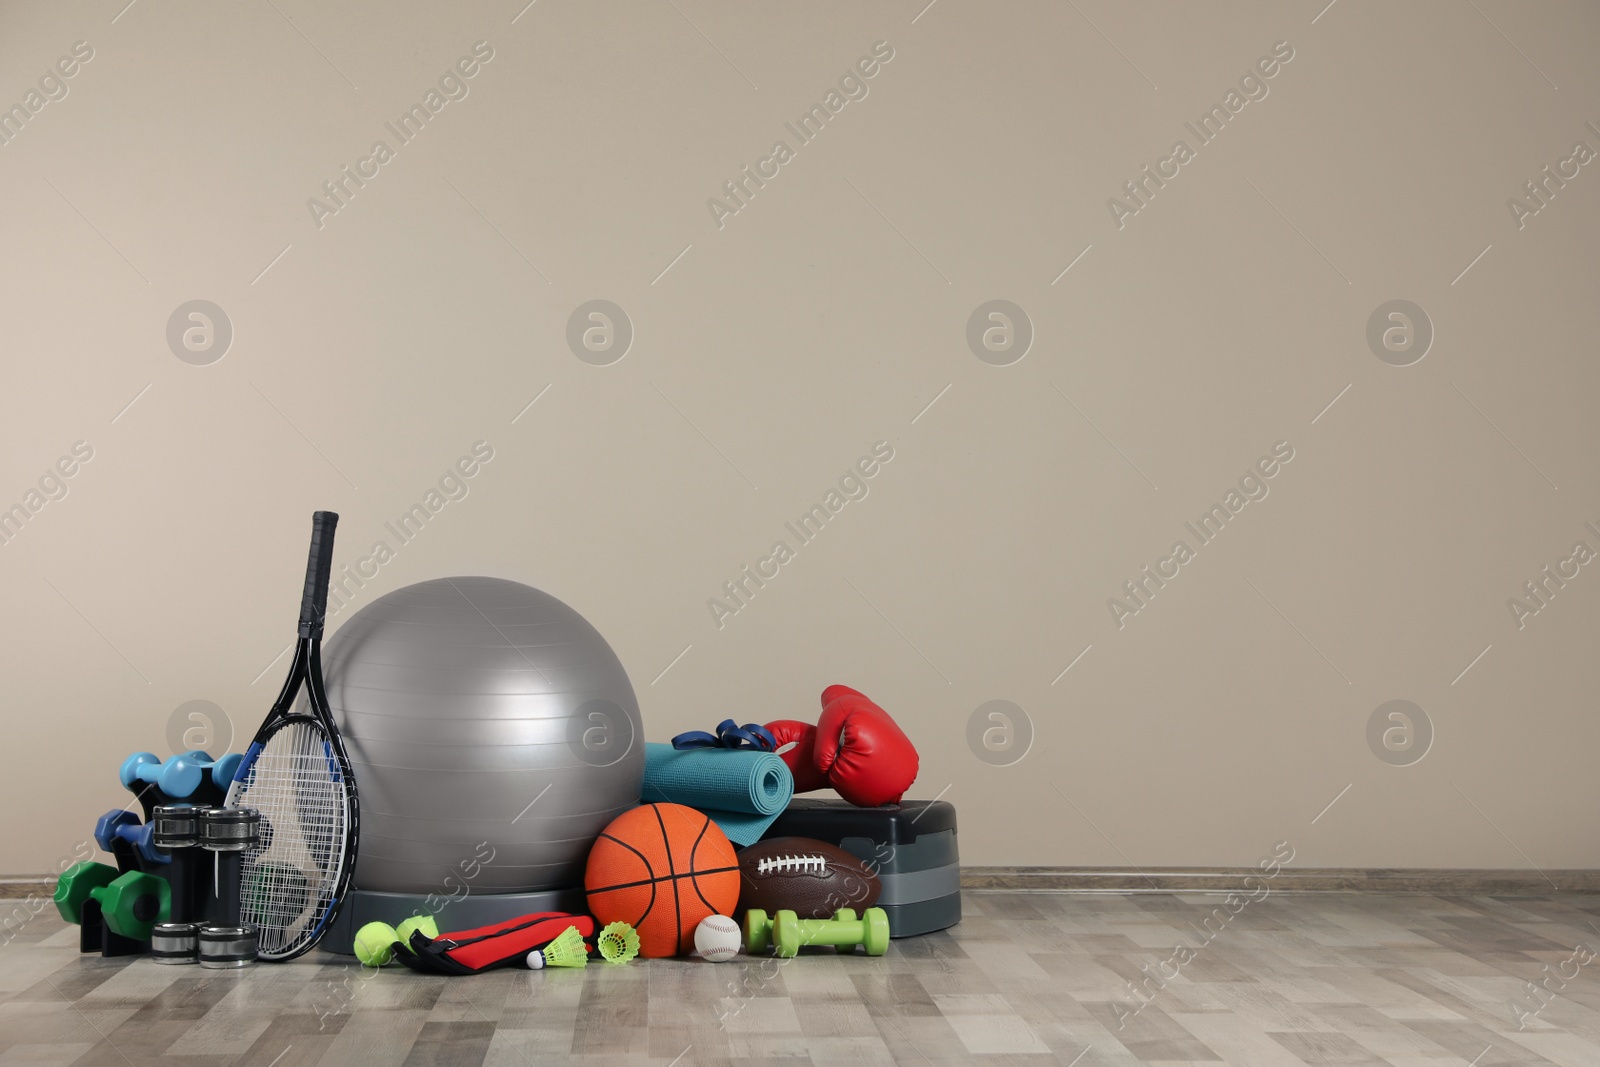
[662, 868]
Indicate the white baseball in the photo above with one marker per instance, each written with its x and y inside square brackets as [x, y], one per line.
[716, 938]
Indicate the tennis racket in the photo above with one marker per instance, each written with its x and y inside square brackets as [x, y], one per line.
[297, 775]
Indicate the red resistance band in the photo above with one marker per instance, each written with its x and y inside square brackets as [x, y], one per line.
[509, 942]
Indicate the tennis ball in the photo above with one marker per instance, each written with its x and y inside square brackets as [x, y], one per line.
[374, 944]
[425, 923]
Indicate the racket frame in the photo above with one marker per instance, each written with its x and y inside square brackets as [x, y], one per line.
[306, 669]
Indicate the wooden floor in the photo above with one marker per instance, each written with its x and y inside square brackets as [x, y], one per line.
[1026, 978]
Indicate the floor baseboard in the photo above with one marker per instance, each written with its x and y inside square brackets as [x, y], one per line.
[1431, 880]
[24, 889]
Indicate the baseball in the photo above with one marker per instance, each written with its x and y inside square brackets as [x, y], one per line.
[716, 938]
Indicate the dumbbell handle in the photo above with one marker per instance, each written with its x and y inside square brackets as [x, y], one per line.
[180, 876]
[225, 871]
[832, 931]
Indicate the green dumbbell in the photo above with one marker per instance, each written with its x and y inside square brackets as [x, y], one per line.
[76, 884]
[130, 904]
[134, 903]
[790, 932]
[757, 931]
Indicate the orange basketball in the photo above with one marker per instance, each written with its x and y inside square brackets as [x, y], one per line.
[662, 868]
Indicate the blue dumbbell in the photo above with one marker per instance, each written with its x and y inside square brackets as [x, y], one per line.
[105, 828]
[121, 824]
[218, 772]
[181, 775]
[139, 767]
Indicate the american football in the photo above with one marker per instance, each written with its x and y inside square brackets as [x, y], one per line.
[811, 878]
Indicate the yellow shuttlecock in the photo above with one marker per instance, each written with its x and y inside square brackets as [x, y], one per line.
[618, 943]
[567, 950]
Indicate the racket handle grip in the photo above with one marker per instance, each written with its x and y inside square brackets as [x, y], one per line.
[314, 601]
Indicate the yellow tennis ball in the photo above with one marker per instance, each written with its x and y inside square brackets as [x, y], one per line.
[374, 944]
[425, 923]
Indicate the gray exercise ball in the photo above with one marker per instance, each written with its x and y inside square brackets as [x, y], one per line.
[493, 734]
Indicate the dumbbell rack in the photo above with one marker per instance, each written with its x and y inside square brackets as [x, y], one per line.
[95, 933]
[155, 885]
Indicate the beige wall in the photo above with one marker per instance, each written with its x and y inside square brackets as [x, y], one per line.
[1217, 321]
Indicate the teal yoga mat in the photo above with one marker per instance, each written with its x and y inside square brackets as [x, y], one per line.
[742, 791]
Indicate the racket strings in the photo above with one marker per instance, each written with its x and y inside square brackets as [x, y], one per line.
[288, 881]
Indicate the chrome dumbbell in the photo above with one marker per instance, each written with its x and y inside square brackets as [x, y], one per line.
[175, 832]
[228, 833]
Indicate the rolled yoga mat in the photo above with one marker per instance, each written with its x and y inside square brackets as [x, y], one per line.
[742, 791]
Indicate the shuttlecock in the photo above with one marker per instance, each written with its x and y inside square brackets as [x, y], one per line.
[618, 943]
[567, 950]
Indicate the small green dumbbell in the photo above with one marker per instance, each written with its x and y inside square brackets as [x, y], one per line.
[845, 931]
[76, 884]
[130, 904]
[757, 931]
[134, 903]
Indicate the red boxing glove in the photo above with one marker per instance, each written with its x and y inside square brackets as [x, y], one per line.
[866, 757]
[801, 759]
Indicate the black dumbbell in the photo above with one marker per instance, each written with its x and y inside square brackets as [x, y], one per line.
[175, 833]
[228, 833]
